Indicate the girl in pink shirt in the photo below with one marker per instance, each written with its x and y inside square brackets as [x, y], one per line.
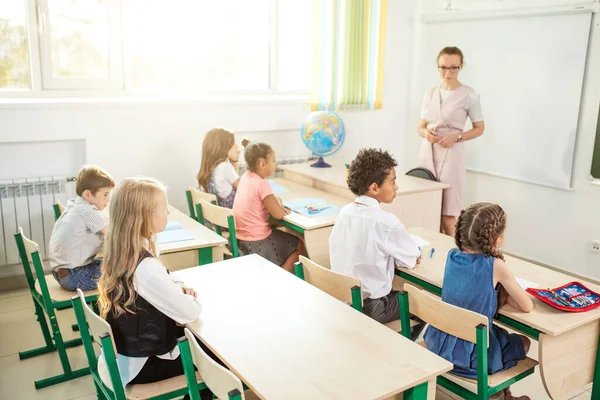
[254, 202]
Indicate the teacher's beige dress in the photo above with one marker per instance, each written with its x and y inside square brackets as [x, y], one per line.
[446, 113]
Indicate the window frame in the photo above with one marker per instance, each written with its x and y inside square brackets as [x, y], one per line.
[44, 85]
[115, 69]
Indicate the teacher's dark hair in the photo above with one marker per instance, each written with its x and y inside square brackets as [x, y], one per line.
[451, 51]
[370, 166]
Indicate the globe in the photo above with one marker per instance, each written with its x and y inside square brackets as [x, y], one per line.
[323, 133]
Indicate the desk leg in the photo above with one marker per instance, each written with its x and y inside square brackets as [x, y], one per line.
[205, 255]
[418, 392]
[596, 381]
[431, 389]
[577, 349]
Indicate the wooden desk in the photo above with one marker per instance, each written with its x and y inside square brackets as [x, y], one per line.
[418, 201]
[288, 340]
[203, 249]
[316, 230]
[565, 339]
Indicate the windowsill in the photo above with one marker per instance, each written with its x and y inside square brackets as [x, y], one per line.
[83, 99]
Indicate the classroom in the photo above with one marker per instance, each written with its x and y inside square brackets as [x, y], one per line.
[300, 199]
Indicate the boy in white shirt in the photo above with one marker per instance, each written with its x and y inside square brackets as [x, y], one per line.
[78, 233]
[367, 242]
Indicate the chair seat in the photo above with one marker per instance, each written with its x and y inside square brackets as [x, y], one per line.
[57, 292]
[396, 327]
[502, 376]
[149, 390]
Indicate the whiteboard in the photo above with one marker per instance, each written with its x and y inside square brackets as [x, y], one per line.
[529, 72]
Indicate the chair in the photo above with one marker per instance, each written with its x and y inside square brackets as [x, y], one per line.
[193, 196]
[59, 209]
[422, 173]
[221, 218]
[343, 287]
[48, 297]
[466, 325]
[222, 382]
[94, 328]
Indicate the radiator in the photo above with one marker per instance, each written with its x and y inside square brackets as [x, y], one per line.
[28, 203]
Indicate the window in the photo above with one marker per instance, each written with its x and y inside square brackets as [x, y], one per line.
[210, 45]
[295, 44]
[79, 44]
[233, 46]
[14, 50]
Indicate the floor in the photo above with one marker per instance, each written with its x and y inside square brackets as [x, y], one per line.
[19, 330]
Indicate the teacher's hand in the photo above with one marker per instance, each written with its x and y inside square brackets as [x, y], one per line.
[431, 136]
[447, 141]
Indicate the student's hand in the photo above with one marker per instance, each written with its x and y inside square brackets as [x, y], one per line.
[190, 291]
[418, 261]
[447, 141]
[287, 210]
[432, 136]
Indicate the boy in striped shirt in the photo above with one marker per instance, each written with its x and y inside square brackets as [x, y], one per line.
[78, 233]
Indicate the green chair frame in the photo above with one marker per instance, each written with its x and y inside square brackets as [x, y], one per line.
[219, 228]
[191, 208]
[190, 203]
[44, 305]
[356, 292]
[57, 212]
[483, 391]
[108, 349]
[190, 373]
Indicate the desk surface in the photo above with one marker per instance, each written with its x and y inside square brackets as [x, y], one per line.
[336, 175]
[203, 237]
[287, 339]
[298, 191]
[543, 317]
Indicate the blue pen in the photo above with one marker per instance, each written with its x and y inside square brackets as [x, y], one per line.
[431, 253]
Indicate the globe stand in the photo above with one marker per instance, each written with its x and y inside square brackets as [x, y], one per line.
[320, 164]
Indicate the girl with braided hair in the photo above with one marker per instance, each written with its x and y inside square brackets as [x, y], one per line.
[474, 277]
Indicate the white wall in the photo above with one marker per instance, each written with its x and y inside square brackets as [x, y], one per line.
[551, 226]
[163, 139]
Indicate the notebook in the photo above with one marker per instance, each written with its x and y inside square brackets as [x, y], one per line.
[301, 206]
[173, 232]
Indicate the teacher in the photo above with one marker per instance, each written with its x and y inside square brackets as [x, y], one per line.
[443, 116]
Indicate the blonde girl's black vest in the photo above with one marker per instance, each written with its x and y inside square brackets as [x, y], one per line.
[146, 333]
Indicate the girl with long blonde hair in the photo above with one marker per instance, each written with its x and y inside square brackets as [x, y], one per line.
[219, 170]
[137, 296]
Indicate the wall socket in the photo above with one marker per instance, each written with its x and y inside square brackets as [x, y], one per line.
[596, 246]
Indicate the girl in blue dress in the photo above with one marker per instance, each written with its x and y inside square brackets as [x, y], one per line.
[477, 278]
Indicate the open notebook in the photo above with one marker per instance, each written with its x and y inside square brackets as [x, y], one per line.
[173, 232]
[312, 207]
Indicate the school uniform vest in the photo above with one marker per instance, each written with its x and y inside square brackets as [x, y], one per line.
[146, 333]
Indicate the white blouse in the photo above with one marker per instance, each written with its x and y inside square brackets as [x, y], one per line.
[152, 282]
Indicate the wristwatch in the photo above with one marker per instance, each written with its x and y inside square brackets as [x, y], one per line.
[460, 137]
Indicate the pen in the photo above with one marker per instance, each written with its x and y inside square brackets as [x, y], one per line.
[316, 204]
[559, 298]
[431, 253]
